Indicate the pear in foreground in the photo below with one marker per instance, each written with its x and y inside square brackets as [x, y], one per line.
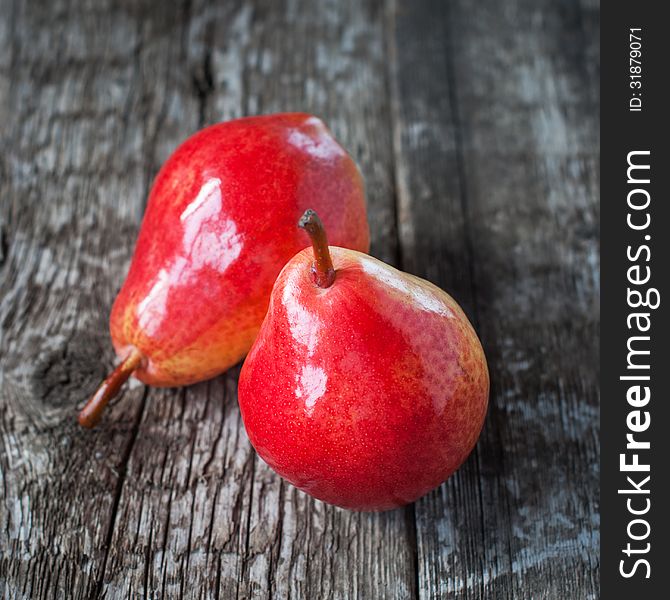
[366, 387]
[218, 228]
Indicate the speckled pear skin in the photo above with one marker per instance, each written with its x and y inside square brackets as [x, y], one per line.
[366, 394]
[218, 228]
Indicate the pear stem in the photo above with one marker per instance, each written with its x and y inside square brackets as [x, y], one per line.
[91, 413]
[323, 270]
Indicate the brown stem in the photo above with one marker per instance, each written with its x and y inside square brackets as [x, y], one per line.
[324, 272]
[91, 413]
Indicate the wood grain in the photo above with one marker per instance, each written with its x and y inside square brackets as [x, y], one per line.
[475, 126]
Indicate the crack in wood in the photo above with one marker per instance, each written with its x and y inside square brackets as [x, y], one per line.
[121, 479]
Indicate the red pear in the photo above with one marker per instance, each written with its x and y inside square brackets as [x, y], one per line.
[219, 226]
[366, 387]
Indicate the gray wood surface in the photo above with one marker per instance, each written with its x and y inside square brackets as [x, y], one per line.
[476, 128]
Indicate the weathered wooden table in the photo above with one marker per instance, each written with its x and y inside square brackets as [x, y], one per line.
[476, 127]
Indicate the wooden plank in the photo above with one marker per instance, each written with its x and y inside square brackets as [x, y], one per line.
[435, 244]
[328, 60]
[496, 128]
[75, 135]
[181, 518]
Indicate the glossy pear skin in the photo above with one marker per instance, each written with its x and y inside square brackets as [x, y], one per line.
[218, 227]
[366, 394]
